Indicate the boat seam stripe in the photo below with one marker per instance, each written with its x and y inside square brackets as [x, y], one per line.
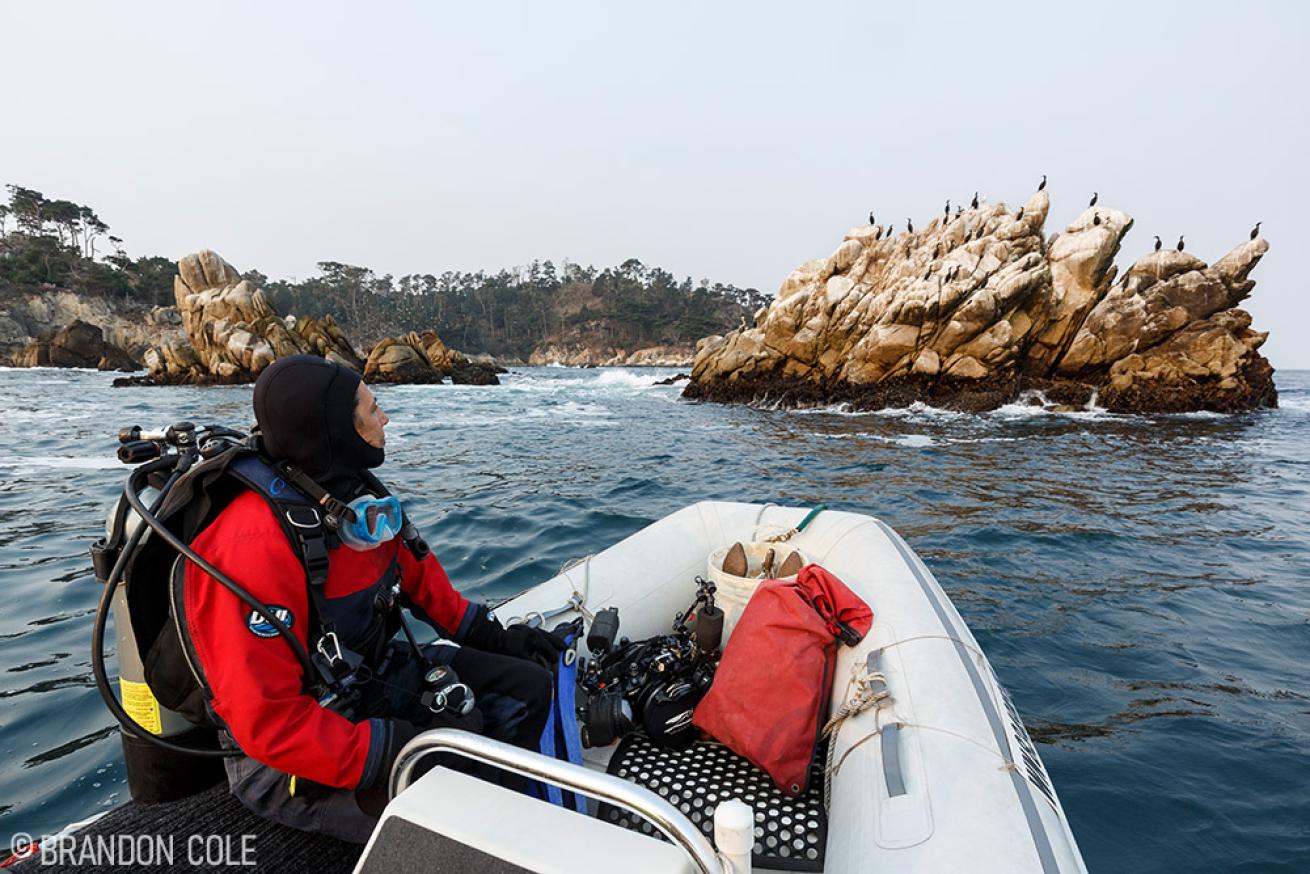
[1036, 827]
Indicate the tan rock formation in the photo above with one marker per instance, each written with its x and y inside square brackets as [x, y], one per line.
[232, 331]
[968, 311]
[27, 316]
[424, 358]
[401, 359]
[77, 345]
[591, 355]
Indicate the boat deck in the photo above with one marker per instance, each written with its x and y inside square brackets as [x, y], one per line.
[212, 812]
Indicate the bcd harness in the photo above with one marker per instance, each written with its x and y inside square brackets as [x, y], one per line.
[306, 514]
[333, 672]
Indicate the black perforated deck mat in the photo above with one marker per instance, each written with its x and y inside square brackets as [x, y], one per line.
[790, 833]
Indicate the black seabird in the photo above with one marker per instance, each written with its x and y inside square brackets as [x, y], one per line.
[959, 210]
[1095, 195]
[1042, 186]
[1096, 218]
[947, 211]
[974, 204]
[1255, 231]
[872, 221]
[1019, 215]
[1180, 244]
[909, 226]
[1158, 244]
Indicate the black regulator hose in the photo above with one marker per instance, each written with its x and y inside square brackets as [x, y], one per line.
[130, 492]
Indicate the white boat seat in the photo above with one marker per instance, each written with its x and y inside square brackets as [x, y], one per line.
[449, 821]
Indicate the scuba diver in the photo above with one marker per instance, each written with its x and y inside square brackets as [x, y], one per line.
[321, 762]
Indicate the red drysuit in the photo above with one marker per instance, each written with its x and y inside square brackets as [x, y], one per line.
[256, 679]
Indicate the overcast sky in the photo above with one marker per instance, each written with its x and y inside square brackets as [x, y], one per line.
[722, 140]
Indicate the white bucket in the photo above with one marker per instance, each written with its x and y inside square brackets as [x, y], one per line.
[732, 592]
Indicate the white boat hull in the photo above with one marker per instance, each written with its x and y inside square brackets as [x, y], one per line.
[975, 795]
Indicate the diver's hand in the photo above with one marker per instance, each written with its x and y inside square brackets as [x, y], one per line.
[519, 640]
[536, 644]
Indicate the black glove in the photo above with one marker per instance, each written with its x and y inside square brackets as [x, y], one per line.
[519, 640]
[373, 797]
[537, 644]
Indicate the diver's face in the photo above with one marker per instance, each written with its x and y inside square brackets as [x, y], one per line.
[369, 418]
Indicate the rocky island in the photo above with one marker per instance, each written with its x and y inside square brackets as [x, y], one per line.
[233, 332]
[977, 309]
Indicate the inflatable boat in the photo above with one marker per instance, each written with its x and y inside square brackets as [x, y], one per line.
[938, 774]
[935, 772]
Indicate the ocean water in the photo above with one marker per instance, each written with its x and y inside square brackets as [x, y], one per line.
[1141, 585]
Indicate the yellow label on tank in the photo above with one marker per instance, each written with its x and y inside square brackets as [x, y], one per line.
[140, 704]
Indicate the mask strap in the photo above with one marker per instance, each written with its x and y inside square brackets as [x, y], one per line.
[302, 481]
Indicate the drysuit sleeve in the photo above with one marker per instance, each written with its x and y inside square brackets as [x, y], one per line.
[254, 676]
[431, 597]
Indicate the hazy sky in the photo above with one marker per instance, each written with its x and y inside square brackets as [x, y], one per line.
[722, 140]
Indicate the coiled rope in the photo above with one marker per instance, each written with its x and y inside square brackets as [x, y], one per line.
[870, 688]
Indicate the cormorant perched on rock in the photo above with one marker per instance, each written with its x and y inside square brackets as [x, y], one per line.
[1042, 186]
[872, 221]
[959, 211]
[1096, 218]
[1180, 244]
[947, 211]
[1158, 244]
[1019, 215]
[1095, 195]
[909, 225]
[889, 231]
[927, 272]
[974, 204]
[1255, 231]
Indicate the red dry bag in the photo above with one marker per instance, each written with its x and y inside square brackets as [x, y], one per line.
[770, 692]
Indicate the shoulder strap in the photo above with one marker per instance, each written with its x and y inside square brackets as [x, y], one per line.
[303, 523]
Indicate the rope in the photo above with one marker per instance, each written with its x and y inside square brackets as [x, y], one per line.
[1006, 764]
[865, 696]
[792, 532]
[578, 600]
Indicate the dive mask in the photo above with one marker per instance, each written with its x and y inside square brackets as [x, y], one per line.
[377, 520]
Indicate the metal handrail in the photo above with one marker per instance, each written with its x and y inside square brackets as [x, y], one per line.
[603, 787]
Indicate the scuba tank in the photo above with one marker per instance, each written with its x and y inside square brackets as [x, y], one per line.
[160, 746]
[154, 773]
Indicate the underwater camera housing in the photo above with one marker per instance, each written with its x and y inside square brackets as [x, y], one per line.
[654, 683]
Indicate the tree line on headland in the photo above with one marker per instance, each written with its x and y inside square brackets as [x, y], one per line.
[47, 243]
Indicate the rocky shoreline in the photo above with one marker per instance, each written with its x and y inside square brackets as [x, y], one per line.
[223, 330]
[978, 310]
[232, 332]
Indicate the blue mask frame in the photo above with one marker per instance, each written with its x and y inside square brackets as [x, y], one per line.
[377, 520]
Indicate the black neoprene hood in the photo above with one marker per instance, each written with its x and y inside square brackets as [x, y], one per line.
[305, 407]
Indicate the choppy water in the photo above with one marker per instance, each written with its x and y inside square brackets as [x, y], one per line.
[1139, 584]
